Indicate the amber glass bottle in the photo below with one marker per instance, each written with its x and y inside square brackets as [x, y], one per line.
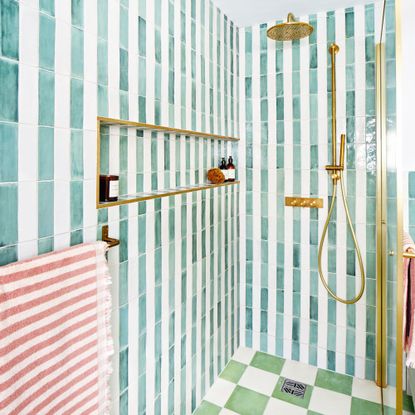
[231, 170]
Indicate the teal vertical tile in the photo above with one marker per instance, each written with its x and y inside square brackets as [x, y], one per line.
[46, 153]
[8, 254]
[46, 42]
[46, 98]
[9, 74]
[47, 6]
[45, 245]
[102, 62]
[123, 70]
[8, 217]
[77, 160]
[77, 52]
[76, 204]
[77, 103]
[77, 12]
[9, 27]
[45, 209]
[8, 152]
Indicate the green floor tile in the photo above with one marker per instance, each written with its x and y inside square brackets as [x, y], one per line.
[207, 408]
[361, 406]
[247, 402]
[313, 413]
[267, 362]
[233, 371]
[407, 402]
[295, 400]
[334, 381]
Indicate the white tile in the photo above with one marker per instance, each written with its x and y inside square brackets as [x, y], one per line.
[220, 392]
[328, 402]
[365, 389]
[259, 380]
[27, 250]
[28, 39]
[243, 355]
[28, 94]
[389, 396]
[299, 372]
[28, 152]
[27, 212]
[276, 406]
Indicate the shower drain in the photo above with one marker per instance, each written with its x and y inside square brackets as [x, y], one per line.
[294, 388]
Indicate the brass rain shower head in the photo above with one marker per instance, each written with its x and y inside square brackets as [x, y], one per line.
[290, 30]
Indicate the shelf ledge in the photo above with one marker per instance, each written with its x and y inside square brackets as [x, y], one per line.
[141, 197]
[161, 128]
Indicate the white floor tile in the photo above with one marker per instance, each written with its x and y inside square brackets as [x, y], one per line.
[275, 406]
[220, 392]
[328, 402]
[243, 355]
[389, 396]
[366, 389]
[299, 372]
[259, 380]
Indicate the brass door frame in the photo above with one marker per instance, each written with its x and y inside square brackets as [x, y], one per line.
[399, 203]
[381, 219]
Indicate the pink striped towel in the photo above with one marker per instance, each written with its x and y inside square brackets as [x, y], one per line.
[55, 334]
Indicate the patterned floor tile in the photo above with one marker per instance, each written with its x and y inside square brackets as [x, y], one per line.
[233, 371]
[276, 406]
[364, 389]
[334, 381]
[299, 372]
[328, 402]
[361, 406]
[267, 362]
[244, 355]
[225, 411]
[259, 380]
[251, 385]
[207, 408]
[220, 392]
[246, 402]
[295, 400]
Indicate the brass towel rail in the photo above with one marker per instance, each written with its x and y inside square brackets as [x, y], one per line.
[408, 255]
[110, 241]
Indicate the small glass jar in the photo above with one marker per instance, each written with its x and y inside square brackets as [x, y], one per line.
[108, 188]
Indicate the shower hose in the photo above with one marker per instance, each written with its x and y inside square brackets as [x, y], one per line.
[356, 244]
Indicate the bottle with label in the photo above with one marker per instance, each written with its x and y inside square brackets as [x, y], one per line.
[231, 170]
[224, 168]
[108, 188]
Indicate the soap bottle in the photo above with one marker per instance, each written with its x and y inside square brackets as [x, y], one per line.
[224, 168]
[230, 170]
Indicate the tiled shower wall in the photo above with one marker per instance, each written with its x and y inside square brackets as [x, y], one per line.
[285, 113]
[175, 274]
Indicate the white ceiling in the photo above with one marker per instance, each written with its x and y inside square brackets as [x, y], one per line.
[250, 12]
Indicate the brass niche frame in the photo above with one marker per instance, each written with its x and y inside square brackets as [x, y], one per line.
[140, 197]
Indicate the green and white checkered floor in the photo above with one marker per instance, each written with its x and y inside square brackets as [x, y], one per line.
[251, 385]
